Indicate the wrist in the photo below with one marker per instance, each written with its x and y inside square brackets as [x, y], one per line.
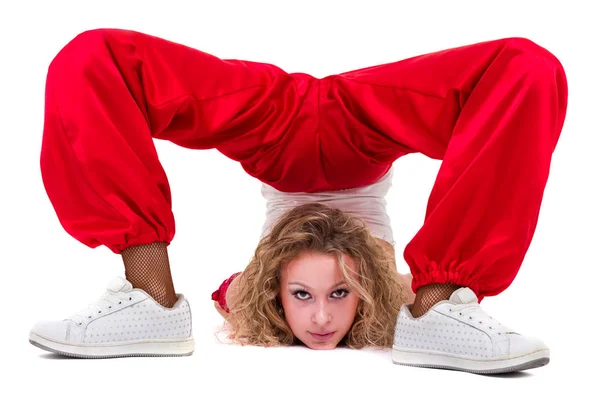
[406, 282]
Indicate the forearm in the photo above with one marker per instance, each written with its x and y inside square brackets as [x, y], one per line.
[406, 282]
[232, 290]
[220, 309]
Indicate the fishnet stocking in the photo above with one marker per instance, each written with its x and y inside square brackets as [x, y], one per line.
[429, 295]
[147, 268]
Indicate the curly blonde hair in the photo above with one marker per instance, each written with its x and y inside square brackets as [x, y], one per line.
[254, 316]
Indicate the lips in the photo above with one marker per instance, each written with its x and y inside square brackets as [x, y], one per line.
[322, 337]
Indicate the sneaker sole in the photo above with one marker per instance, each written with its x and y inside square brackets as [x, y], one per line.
[410, 357]
[139, 348]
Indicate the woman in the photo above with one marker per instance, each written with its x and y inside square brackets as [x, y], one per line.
[492, 111]
[319, 277]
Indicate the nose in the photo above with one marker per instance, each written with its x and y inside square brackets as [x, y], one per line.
[321, 315]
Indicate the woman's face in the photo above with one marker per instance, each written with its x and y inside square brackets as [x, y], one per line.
[317, 302]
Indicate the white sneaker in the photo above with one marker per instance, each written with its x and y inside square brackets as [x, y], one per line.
[457, 334]
[123, 322]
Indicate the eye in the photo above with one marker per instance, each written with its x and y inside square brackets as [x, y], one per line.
[301, 295]
[340, 293]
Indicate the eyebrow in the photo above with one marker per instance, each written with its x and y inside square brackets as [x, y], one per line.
[308, 287]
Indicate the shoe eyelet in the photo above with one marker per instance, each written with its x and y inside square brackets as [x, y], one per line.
[470, 317]
[79, 323]
[109, 306]
[120, 302]
[89, 316]
[459, 313]
[99, 312]
[130, 298]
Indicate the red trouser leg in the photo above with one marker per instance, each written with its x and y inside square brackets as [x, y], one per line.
[493, 112]
[109, 92]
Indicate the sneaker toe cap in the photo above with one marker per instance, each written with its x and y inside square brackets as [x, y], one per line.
[54, 330]
[520, 344]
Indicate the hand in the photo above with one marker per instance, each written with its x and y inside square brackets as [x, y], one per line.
[406, 282]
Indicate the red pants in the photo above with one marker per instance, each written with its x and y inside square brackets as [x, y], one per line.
[492, 111]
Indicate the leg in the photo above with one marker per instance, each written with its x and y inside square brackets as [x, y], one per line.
[147, 267]
[109, 93]
[493, 112]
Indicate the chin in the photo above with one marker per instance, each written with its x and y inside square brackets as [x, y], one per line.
[323, 347]
[328, 345]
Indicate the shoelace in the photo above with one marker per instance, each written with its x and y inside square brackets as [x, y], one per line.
[106, 302]
[476, 313]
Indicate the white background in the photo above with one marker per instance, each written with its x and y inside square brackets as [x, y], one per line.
[47, 274]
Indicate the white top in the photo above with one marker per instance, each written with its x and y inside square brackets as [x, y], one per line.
[367, 202]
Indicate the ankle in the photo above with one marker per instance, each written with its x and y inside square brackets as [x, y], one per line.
[147, 267]
[428, 296]
[165, 296]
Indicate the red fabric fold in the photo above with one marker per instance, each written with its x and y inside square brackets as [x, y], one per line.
[219, 294]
